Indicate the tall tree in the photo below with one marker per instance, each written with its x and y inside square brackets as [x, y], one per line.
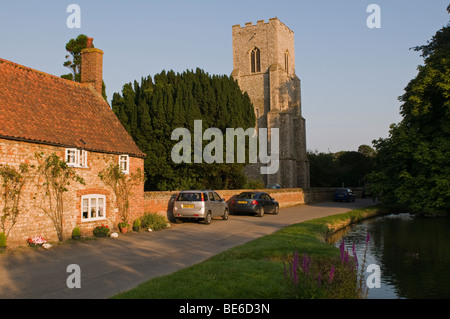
[414, 162]
[73, 60]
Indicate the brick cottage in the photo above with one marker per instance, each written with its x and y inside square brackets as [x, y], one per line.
[40, 112]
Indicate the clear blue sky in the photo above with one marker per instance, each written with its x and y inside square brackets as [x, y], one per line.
[351, 75]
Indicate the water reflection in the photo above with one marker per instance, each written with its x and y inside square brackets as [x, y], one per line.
[413, 253]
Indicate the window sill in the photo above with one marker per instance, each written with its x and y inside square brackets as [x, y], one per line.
[87, 220]
[77, 166]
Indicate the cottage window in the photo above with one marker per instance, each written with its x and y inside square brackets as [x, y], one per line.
[76, 157]
[93, 207]
[124, 163]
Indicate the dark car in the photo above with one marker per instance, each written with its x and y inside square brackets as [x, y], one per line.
[257, 203]
[344, 194]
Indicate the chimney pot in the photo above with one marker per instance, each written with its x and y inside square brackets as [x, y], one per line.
[89, 43]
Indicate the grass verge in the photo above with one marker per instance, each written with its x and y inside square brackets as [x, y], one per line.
[254, 270]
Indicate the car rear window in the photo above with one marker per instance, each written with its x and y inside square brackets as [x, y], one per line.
[189, 197]
[247, 195]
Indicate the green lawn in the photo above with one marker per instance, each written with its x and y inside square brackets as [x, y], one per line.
[253, 270]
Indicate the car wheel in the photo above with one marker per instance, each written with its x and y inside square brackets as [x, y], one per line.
[225, 215]
[207, 219]
[261, 212]
[276, 211]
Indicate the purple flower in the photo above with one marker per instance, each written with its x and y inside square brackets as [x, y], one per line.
[342, 249]
[294, 268]
[367, 237]
[346, 257]
[306, 264]
[330, 280]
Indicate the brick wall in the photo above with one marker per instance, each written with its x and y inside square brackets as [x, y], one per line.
[33, 221]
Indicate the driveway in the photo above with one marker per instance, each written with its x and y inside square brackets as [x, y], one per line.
[109, 266]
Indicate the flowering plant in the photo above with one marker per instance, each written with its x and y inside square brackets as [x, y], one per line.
[101, 230]
[36, 240]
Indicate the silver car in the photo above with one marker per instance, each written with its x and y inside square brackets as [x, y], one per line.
[199, 204]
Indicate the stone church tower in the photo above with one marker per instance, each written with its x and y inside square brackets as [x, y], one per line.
[264, 67]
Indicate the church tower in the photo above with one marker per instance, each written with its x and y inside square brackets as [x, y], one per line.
[264, 67]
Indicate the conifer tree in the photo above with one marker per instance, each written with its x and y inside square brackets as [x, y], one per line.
[152, 109]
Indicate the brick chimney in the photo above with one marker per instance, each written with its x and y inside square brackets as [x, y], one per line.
[92, 66]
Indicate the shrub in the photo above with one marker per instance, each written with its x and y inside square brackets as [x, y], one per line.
[154, 221]
[76, 231]
[124, 225]
[101, 231]
[137, 225]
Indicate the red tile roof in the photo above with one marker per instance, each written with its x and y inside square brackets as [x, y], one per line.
[46, 109]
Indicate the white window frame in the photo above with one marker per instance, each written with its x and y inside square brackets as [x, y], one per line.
[94, 207]
[124, 159]
[76, 158]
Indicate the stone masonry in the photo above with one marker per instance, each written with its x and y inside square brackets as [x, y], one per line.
[264, 67]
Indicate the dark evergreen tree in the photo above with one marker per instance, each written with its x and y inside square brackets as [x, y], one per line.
[152, 109]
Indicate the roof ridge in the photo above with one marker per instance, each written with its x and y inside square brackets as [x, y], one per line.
[26, 68]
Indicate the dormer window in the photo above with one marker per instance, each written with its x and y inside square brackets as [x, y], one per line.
[255, 60]
[76, 157]
[124, 163]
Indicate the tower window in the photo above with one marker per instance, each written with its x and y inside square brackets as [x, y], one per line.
[255, 58]
[286, 61]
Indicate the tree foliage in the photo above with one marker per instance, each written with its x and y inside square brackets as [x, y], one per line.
[152, 109]
[346, 168]
[414, 161]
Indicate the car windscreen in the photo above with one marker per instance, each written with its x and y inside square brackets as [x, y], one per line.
[189, 197]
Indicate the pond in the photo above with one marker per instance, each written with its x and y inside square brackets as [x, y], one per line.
[413, 254]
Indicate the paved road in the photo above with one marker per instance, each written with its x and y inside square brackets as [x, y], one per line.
[109, 266]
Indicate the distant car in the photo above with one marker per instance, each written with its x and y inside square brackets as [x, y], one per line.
[199, 204]
[344, 194]
[257, 203]
[273, 186]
